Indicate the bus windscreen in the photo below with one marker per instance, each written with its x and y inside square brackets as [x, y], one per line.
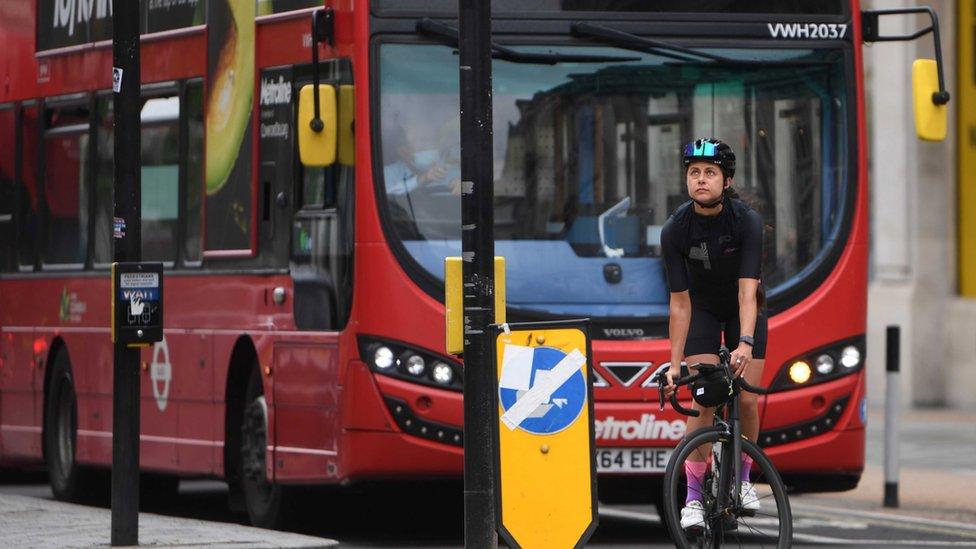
[586, 163]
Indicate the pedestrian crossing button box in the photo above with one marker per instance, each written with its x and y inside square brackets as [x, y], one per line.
[137, 303]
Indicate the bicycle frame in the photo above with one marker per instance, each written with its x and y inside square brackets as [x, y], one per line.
[726, 420]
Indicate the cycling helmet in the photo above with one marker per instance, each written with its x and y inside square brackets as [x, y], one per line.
[710, 150]
[713, 388]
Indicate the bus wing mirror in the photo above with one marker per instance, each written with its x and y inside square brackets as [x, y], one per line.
[931, 118]
[927, 75]
[317, 136]
[347, 118]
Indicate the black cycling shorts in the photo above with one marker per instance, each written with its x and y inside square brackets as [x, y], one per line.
[705, 332]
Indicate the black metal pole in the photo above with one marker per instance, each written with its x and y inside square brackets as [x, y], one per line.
[478, 259]
[892, 410]
[126, 247]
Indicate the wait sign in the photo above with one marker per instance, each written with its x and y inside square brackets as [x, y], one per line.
[545, 464]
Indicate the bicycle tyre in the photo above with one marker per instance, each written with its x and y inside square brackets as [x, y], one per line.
[747, 528]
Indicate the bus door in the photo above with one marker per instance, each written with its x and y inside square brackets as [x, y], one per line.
[321, 239]
[306, 380]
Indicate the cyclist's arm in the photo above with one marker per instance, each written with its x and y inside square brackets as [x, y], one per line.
[678, 324]
[749, 273]
[680, 304]
[748, 307]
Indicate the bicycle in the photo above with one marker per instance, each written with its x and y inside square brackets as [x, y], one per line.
[724, 514]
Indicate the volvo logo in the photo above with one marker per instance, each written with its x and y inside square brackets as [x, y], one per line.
[623, 332]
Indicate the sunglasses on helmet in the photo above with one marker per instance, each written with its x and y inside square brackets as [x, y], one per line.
[700, 148]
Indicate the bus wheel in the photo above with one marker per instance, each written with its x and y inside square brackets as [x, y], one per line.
[69, 481]
[265, 501]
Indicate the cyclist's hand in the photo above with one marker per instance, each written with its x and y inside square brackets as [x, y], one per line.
[741, 357]
[670, 375]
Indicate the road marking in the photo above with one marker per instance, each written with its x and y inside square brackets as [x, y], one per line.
[885, 516]
[630, 515]
[813, 538]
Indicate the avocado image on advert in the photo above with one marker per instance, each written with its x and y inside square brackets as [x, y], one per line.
[230, 29]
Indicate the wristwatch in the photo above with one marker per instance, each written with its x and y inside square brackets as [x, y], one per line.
[748, 340]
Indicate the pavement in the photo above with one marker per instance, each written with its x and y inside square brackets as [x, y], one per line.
[936, 474]
[33, 522]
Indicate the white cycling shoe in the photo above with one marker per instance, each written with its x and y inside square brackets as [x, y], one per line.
[693, 515]
[748, 497]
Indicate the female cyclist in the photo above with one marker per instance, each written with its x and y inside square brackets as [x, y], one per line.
[712, 248]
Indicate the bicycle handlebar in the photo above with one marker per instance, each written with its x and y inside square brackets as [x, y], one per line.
[739, 381]
[661, 383]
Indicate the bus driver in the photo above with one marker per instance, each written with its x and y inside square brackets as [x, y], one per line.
[712, 247]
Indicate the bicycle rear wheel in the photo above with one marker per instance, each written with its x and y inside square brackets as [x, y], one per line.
[769, 526]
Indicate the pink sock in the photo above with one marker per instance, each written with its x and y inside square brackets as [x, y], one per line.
[695, 472]
[746, 467]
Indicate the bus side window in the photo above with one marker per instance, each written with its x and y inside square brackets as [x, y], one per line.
[104, 208]
[65, 192]
[7, 177]
[193, 194]
[28, 190]
[160, 138]
[159, 176]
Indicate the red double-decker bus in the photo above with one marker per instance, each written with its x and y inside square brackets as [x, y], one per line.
[304, 338]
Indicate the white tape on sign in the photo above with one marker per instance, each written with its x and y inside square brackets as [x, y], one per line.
[543, 389]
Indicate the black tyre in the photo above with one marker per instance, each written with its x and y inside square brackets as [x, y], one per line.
[265, 501]
[69, 481]
[770, 526]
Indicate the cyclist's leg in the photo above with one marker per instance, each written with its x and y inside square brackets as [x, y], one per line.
[748, 402]
[701, 346]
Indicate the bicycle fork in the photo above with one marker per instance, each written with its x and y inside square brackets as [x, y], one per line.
[727, 482]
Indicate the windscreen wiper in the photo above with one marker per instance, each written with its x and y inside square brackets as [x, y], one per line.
[639, 43]
[450, 36]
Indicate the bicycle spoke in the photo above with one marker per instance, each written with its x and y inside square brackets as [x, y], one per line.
[760, 533]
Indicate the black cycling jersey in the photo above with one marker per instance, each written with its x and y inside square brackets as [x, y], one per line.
[707, 255]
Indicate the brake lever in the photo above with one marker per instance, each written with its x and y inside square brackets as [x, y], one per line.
[660, 392]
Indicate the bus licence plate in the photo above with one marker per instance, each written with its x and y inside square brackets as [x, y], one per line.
[632, 460]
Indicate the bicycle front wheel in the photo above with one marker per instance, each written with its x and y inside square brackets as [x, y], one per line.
[771, 525]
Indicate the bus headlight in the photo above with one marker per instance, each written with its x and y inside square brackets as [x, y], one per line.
[825, 364]
[411, 363]
[415, 364]
[800, 372]
[850, 357]
[442, 373]
[383, 357]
